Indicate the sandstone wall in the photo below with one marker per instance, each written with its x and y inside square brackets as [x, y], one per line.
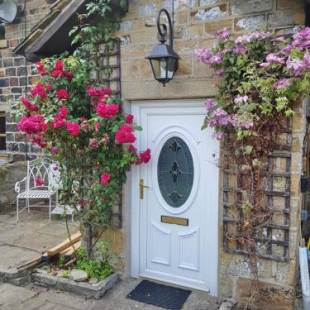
[196, 22]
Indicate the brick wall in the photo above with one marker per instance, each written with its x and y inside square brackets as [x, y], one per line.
[15, 73]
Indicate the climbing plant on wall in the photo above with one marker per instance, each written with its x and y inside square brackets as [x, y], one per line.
[262, 77]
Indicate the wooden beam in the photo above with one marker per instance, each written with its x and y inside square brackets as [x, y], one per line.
[64, 245]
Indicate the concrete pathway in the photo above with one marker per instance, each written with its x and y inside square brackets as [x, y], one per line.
[34, 234]
[38, 298]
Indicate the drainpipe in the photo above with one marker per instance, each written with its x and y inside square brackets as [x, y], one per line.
[307, 13]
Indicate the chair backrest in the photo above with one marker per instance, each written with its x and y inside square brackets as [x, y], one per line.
[42, 174]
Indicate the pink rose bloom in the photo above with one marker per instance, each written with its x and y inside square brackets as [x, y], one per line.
[39, 91]
[62, 94]
[33, 124]
[125, 134]
[105, 178]
[129, 119]
[107, 110]
[73, 129]
[41, 68]
[28, 105]
[99, 91]
[145, 157]
[93, 144]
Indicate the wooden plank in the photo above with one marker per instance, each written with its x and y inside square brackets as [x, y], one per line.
[64, 245]
[30, 263]
[70, 250]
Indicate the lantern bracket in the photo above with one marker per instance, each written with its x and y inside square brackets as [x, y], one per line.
[163, 29]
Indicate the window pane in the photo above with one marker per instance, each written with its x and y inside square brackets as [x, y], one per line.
[175, 172]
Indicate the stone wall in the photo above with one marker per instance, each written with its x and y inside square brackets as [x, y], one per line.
[15, 73]
[196, 22]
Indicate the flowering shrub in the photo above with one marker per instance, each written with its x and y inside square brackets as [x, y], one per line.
[262, 76]
[81, 127]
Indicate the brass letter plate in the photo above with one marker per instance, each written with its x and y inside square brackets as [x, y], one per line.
[174, 220]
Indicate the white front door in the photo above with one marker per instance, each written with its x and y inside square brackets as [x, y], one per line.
[175, 223]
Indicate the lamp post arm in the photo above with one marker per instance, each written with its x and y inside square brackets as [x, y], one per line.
[162, 28]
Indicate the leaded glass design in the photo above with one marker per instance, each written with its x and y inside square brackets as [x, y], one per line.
[175, 172]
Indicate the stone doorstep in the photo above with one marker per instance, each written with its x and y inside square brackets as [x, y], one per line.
[80, 288]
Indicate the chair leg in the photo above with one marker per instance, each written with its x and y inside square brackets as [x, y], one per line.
[17, 209]
[27, 204]
[50, 209]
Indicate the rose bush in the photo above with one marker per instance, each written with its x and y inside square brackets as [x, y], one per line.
[82, 127]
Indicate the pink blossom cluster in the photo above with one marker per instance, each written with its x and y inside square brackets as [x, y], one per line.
[206, 56]
[107, 110]
[219, 119]
[282, 83]
[299, 66]
[248, 38]
[32, 124]
[39, 91]
[223, 35]
[28, 105]
[301, 39]
[125, 134]
[60, 118]
[73, 128]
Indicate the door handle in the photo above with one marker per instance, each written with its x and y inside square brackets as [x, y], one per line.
[141, 188]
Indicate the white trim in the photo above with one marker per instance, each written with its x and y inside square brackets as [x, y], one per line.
[137, 205]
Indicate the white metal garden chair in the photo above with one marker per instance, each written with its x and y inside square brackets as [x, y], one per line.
[41, 182]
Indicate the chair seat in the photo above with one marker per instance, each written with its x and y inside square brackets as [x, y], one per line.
[36, 194]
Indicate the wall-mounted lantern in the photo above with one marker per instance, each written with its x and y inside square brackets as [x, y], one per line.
[163, 59]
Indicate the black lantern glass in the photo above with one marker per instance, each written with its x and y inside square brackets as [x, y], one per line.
[163, 59]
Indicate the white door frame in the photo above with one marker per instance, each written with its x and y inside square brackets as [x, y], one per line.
[137, 204]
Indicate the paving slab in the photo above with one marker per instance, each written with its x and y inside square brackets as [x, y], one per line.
[12, 296]
[12, 256]
[32, 235]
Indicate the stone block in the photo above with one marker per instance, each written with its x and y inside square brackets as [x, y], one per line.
[280, 19]
[4, 82]
[147, 10]
[241, 7]
[7, 62]
[3, 44]
[212, 27]
[251, 23]
[216, 12]
[209, 2]
[289, 4]
[270, 296]
[14, 82]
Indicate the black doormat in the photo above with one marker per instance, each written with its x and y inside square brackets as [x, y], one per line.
[159, 295]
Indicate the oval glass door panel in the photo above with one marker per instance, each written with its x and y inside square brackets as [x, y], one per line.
[175, 172]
